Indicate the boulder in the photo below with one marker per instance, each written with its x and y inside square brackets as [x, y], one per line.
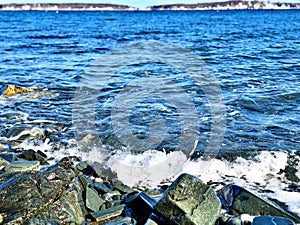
[189, 201]
[238, 200]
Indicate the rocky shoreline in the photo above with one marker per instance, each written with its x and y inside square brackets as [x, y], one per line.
[73, 191]
[222, 5]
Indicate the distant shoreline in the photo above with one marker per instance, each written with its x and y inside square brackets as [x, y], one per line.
[227, 5]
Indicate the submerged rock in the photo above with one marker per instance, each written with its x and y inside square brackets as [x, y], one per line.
[189, 201]
[14, 90]
[238, 200]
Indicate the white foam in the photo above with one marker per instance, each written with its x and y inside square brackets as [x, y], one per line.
[260, 174]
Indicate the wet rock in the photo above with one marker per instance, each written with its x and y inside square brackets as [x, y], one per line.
[107, 214]
[112, 203]
[141, 206]
[85, 182]
[238, 200]
[32, 155]
[118, 185]
[34, 221]
[113, 195]
[22, 132]
[3, 163]
[86, 168]
[21, 165]
[102, 171]
[92, 200]
[9, 157]
[189, 201]
[14, 90]
[234, 221]
[103, 188]
[44, 195]
[271, 220]
[123, 221]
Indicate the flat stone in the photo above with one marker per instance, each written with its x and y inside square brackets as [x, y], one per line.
[21, 165]
[238, 200]
[93, 200]
[107, 214]
[189, 201]
[271, 220]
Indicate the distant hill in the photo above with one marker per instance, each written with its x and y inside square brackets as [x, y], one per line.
[65, 7]
[227, 5]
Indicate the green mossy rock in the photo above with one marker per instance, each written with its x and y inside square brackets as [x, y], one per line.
[189, 201]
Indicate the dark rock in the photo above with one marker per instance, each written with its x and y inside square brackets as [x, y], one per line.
[271, 220]
[238, 200]
[43, 195]
[189, 201]
[103, 171]
[85, 168]
[9, 157]
[103, 188]
[112, 203]
[141, 206]
[155, 220]
[22, 132]
[113, 195]
[31, 155]
[121, 187]
[107, 214]
[92, 200]
[85, 181]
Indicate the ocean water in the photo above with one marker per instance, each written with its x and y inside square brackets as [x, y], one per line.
[98, 70]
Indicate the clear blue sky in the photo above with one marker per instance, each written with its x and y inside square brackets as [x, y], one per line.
[136, 3]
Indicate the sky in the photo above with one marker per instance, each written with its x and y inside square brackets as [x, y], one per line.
[135, 3]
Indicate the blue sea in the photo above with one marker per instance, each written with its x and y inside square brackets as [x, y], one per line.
[253, 55]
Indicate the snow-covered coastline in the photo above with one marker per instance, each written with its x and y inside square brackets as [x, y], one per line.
[223, 5]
